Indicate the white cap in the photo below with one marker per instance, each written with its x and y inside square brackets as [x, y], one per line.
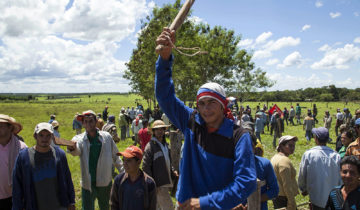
[43, 126]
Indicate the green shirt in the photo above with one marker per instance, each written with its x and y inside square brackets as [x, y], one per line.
[342, 152]
[95, 148]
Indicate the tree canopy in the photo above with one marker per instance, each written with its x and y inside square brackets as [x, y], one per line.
[224, 63]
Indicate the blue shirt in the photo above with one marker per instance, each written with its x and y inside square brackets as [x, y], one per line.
[259, 125]
[265, 172]
[220, 181]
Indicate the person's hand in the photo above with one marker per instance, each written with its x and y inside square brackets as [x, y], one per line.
[164, 39]
[71, 207]
[240, 207]
[72, 148]
[191, 204]
[176, 173]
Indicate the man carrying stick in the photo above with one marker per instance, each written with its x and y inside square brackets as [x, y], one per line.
[217, 170]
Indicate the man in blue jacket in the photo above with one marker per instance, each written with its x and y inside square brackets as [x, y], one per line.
[217, 170]
[41, 176]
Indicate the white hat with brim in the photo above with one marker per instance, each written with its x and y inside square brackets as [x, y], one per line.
[159, 124]
[43, 126]
[7, 119]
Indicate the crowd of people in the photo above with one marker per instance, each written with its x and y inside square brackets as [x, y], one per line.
[221, 161]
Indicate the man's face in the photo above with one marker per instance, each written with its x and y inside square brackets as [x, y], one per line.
[43, 139]
[350, 175]
[159, 133]
[210, 110]
[5, 130]
[288, 148]
[89, 123]
[131, 165]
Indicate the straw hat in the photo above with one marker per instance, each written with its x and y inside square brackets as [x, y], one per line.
[159, 124]
[7, 119]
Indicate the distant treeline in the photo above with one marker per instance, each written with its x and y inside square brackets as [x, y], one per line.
[326, 93]
[48, 96]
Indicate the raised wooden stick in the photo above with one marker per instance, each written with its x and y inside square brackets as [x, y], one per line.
[179, 19]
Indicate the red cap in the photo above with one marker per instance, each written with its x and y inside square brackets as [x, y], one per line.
[132, 151]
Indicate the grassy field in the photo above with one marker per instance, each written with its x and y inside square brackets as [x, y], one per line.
[31, 113]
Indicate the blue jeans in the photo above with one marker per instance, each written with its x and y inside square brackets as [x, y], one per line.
[308, 135]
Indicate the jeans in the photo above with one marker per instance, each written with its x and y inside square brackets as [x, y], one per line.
[308, 135]
[101, 193]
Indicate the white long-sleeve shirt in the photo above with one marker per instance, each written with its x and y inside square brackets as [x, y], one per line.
[106, 158]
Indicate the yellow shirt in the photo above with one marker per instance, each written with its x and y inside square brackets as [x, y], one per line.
[286, 177]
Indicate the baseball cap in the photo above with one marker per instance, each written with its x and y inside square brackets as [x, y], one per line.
[132, 151]
[85, 113]
[286, 138]
[55, 124]
[321, 133]
[43, 126]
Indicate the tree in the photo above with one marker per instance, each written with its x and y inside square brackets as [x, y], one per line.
[326, 97]
[224, 63]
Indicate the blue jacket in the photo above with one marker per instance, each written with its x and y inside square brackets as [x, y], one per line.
[23, 185]
[266, 172]
[76, 124]
[221, 177]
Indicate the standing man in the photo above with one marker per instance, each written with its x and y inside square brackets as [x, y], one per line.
[347, 117]
[157, 163]
[110, 127]
[309, 124]
[122, 123]
[105, 114]
[319, 170]
[41, 177]
[259, 125]
[10, 146]
[292, 115]
[133, 189]
[97, 152]
[77, 126]
[144, 135]
[136, 125]
[354, 147]
[315, 111]
[52, 118]
[339, 120]
[327, 120]
[210, 137]
[298, 113]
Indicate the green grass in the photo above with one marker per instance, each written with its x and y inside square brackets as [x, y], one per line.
[31, 113]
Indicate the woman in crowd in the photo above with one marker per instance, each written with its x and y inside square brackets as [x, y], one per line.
[346, 138]
[285, 173]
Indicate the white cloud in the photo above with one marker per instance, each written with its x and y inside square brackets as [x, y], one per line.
[291, 82]
[356, 14]
[305, 27]
[282, 42]
[318, 4]
[263, 37]
[245, 43]
[291, 60]
[44, 45]
[272, 45]
[335, 14]
[325, 48]
[271, 62]
[197, 20]
[339, 58]
[357, 40]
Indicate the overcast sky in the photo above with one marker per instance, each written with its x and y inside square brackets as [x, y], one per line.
[82, 45]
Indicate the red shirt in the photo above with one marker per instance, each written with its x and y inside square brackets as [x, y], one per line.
[144, 137]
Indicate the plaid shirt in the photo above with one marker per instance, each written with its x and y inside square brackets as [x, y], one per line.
[354, 148]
